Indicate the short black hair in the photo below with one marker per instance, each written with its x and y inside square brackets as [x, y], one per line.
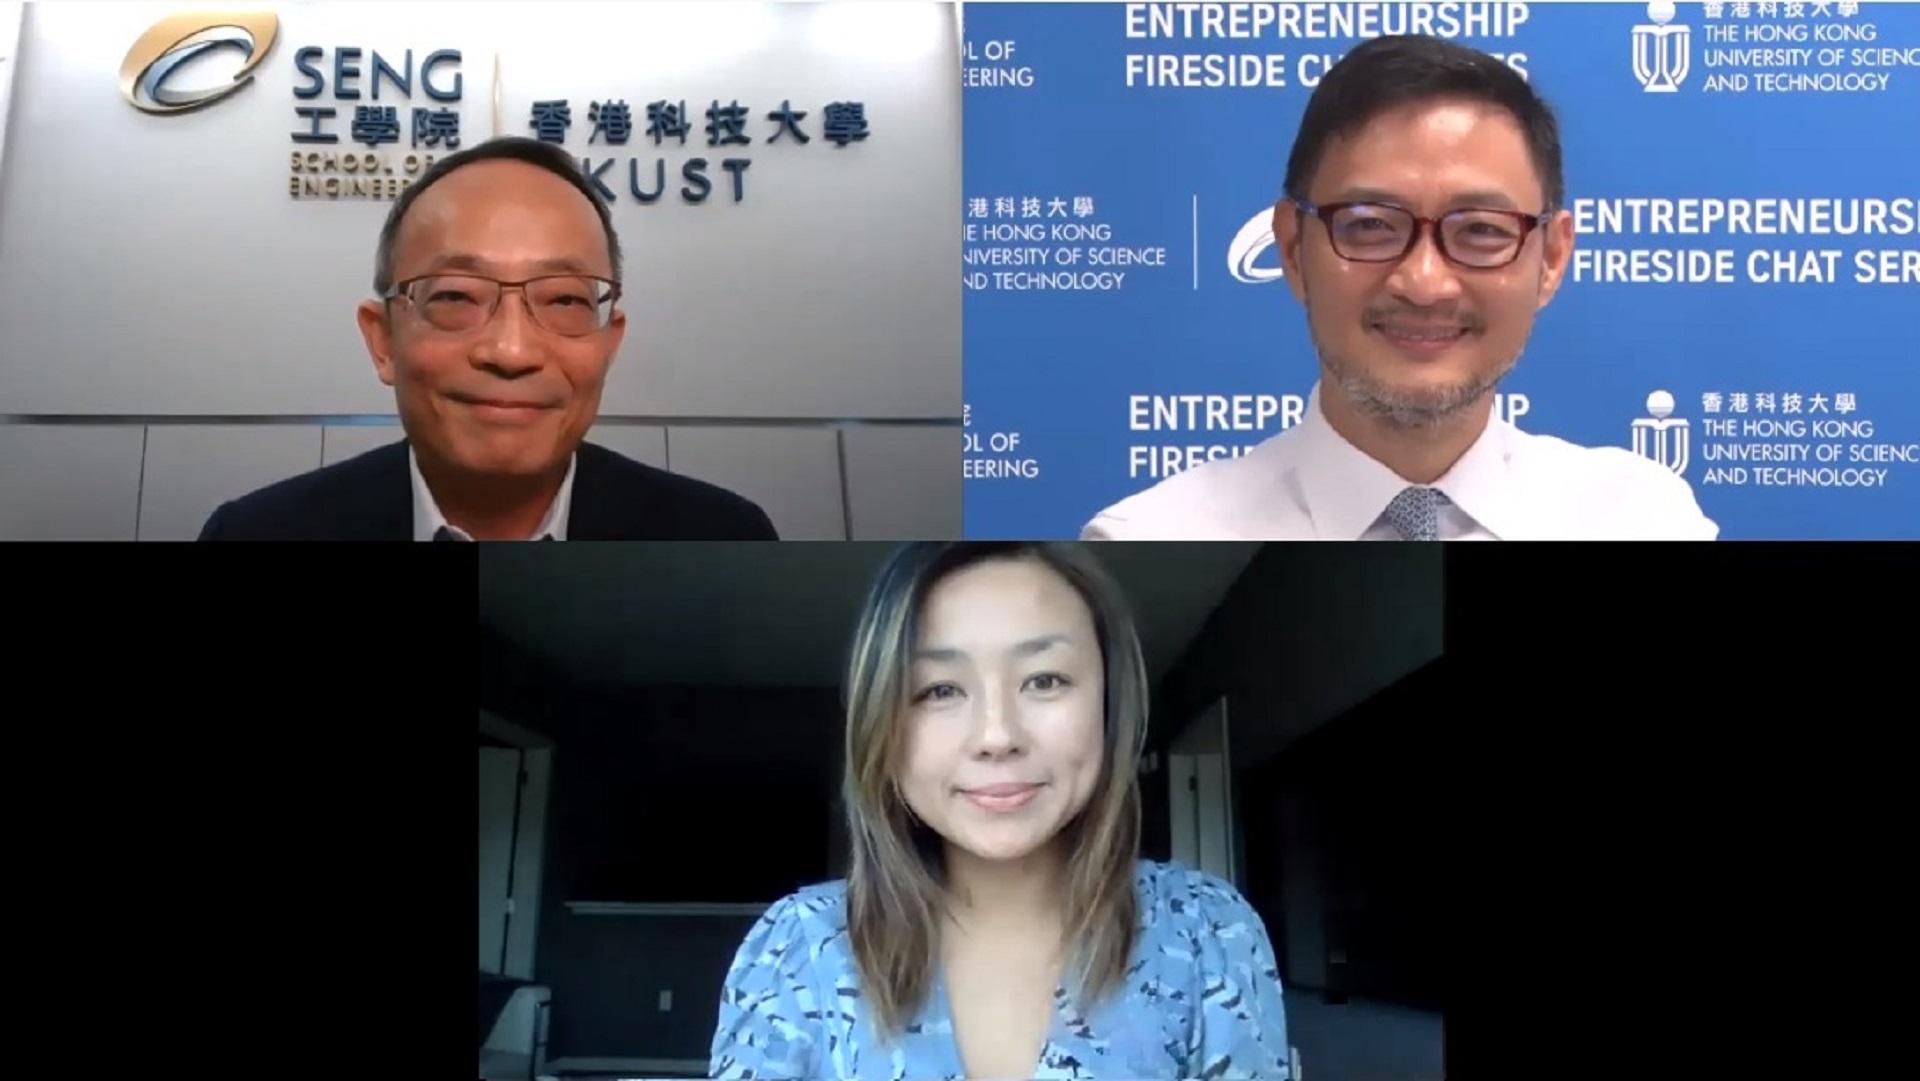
[1391, 71]
[548, 156]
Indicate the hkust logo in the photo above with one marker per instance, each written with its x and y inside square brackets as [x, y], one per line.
[151, 78]
[1660, 436]
[1251, 242]
[1661, 50]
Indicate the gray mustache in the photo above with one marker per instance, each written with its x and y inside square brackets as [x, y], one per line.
[1464, 320]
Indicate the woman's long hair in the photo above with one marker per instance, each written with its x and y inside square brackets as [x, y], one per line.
[896, 889]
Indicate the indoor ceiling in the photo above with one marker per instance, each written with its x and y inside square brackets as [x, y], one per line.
[747, 614]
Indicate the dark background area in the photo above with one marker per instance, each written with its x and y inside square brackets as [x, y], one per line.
[1680, 807]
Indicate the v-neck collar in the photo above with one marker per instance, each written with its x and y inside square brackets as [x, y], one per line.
[940, 1006]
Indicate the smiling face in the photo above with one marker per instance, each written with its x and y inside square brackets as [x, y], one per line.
[1004, 709]
[1420, 339]
[507, 397]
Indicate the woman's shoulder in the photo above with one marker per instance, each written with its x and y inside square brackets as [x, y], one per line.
[780, 989]
[1175, 896]
[820, 903]
[811, 918]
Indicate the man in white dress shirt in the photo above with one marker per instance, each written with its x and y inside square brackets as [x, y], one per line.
[1422, 228]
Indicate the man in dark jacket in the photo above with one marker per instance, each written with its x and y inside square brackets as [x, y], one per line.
[495, 318]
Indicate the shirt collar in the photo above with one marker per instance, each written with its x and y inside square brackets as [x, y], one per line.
[427, 519]
[1347, 491]
[1484, 485]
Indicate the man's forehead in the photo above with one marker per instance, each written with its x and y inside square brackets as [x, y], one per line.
[511, 202]
[1440, 119]
[455, 260]
[1442, 150]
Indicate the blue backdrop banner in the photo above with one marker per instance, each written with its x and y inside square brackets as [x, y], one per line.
[1741, 305]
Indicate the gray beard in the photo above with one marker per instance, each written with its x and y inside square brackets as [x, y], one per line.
[1424, 408]
[1400, 408]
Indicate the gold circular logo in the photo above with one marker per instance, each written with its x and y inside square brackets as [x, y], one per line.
[176, 39]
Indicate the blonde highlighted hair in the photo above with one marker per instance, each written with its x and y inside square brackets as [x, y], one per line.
[896, 890]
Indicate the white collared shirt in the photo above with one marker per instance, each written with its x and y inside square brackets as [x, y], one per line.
[427, 519]
[1309, 483]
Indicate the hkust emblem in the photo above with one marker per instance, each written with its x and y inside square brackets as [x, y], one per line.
[1660, 436]
[1661, 50]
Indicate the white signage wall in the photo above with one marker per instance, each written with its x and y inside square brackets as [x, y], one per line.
[794, 305]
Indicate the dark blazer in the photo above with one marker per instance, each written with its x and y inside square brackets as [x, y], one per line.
[370, 497]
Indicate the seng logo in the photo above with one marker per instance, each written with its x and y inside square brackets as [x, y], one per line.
[150, 75]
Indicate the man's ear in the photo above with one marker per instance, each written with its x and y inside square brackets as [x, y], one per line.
[1557, 250]
[376, 328]
[1286, 239]
[616, 333]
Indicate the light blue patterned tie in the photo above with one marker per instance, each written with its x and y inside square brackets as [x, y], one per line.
[1415, 513]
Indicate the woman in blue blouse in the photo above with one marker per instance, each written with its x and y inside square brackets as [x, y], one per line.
[996, 921]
